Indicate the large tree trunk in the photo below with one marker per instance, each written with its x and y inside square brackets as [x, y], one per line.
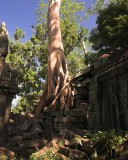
[58, 92]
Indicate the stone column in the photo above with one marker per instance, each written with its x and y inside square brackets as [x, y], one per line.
[2, 111]
[3, 96]
[8, 82]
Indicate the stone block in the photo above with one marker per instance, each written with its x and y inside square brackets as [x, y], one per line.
[76, 154]
[93, 86]
[64, 150]
[4, 84]
[15, 140]
[59, 156]
[52, 113]
[35, 143]
[75, 112]
[3, 140]
[27, 124]
[85, 81]
[14, 82]
[84, 106]
[6, 79]
[6, 75]
[4, 153]
[50, 119]
[12, 91]
[14, 74]
[63, 125]
[36, 128]
[68, 119]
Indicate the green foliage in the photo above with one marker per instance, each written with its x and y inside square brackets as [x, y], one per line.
[18, 158]
[111, 31]
[48, 155]
[95, 7]
[75, 62]
[26, 59]
[98, 5]
[90, 57]
[105, 142]
[19, 34]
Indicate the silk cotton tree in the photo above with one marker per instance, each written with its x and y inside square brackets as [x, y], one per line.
[58, 93]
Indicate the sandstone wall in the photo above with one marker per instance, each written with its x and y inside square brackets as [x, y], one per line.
[103, 92]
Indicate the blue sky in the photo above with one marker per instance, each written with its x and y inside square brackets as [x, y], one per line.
[20, 13]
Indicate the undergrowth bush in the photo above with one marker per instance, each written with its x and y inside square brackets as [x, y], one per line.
[105, 143]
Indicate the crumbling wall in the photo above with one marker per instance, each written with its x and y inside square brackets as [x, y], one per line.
[26, 134]
[8, 82]
[107, 87]
[65, 120]
[113, 99]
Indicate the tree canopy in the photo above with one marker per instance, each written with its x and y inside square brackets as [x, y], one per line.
[112, 23]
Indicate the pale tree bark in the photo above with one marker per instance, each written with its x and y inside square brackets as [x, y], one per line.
[58, 93]
[84, 47]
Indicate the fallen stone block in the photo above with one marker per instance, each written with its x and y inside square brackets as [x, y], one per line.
[3, 140]
[36, 129]
[70, 143]
[16, 140]
[27, 124]
[35, 143]
[77, 155]
[59, 156]
[51, 148]
[64, 150]
[5, 153]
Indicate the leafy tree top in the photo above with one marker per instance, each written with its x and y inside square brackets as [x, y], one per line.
[112, 23]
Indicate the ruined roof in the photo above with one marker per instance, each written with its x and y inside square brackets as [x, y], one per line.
[117, 58]
[102, 66]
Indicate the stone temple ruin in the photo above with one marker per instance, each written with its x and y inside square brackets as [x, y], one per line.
[100, 103]
[102, 90]
[101, 97]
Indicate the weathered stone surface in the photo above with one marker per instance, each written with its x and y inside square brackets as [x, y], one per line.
[77, 155]
[88, 149]
[70, 144]
[64, 150]
[67, 119]
[36, 128]
[8, 89]
[106, 91]
[3, 140]
[6, 154]
[27, 124]
[59, 156]
[16, 140]
[75, 112]
[52, 147]
[25, 142]
[35, 143]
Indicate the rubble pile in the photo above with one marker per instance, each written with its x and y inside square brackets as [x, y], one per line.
[30, 138]
[76, 146]
[26, 134]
